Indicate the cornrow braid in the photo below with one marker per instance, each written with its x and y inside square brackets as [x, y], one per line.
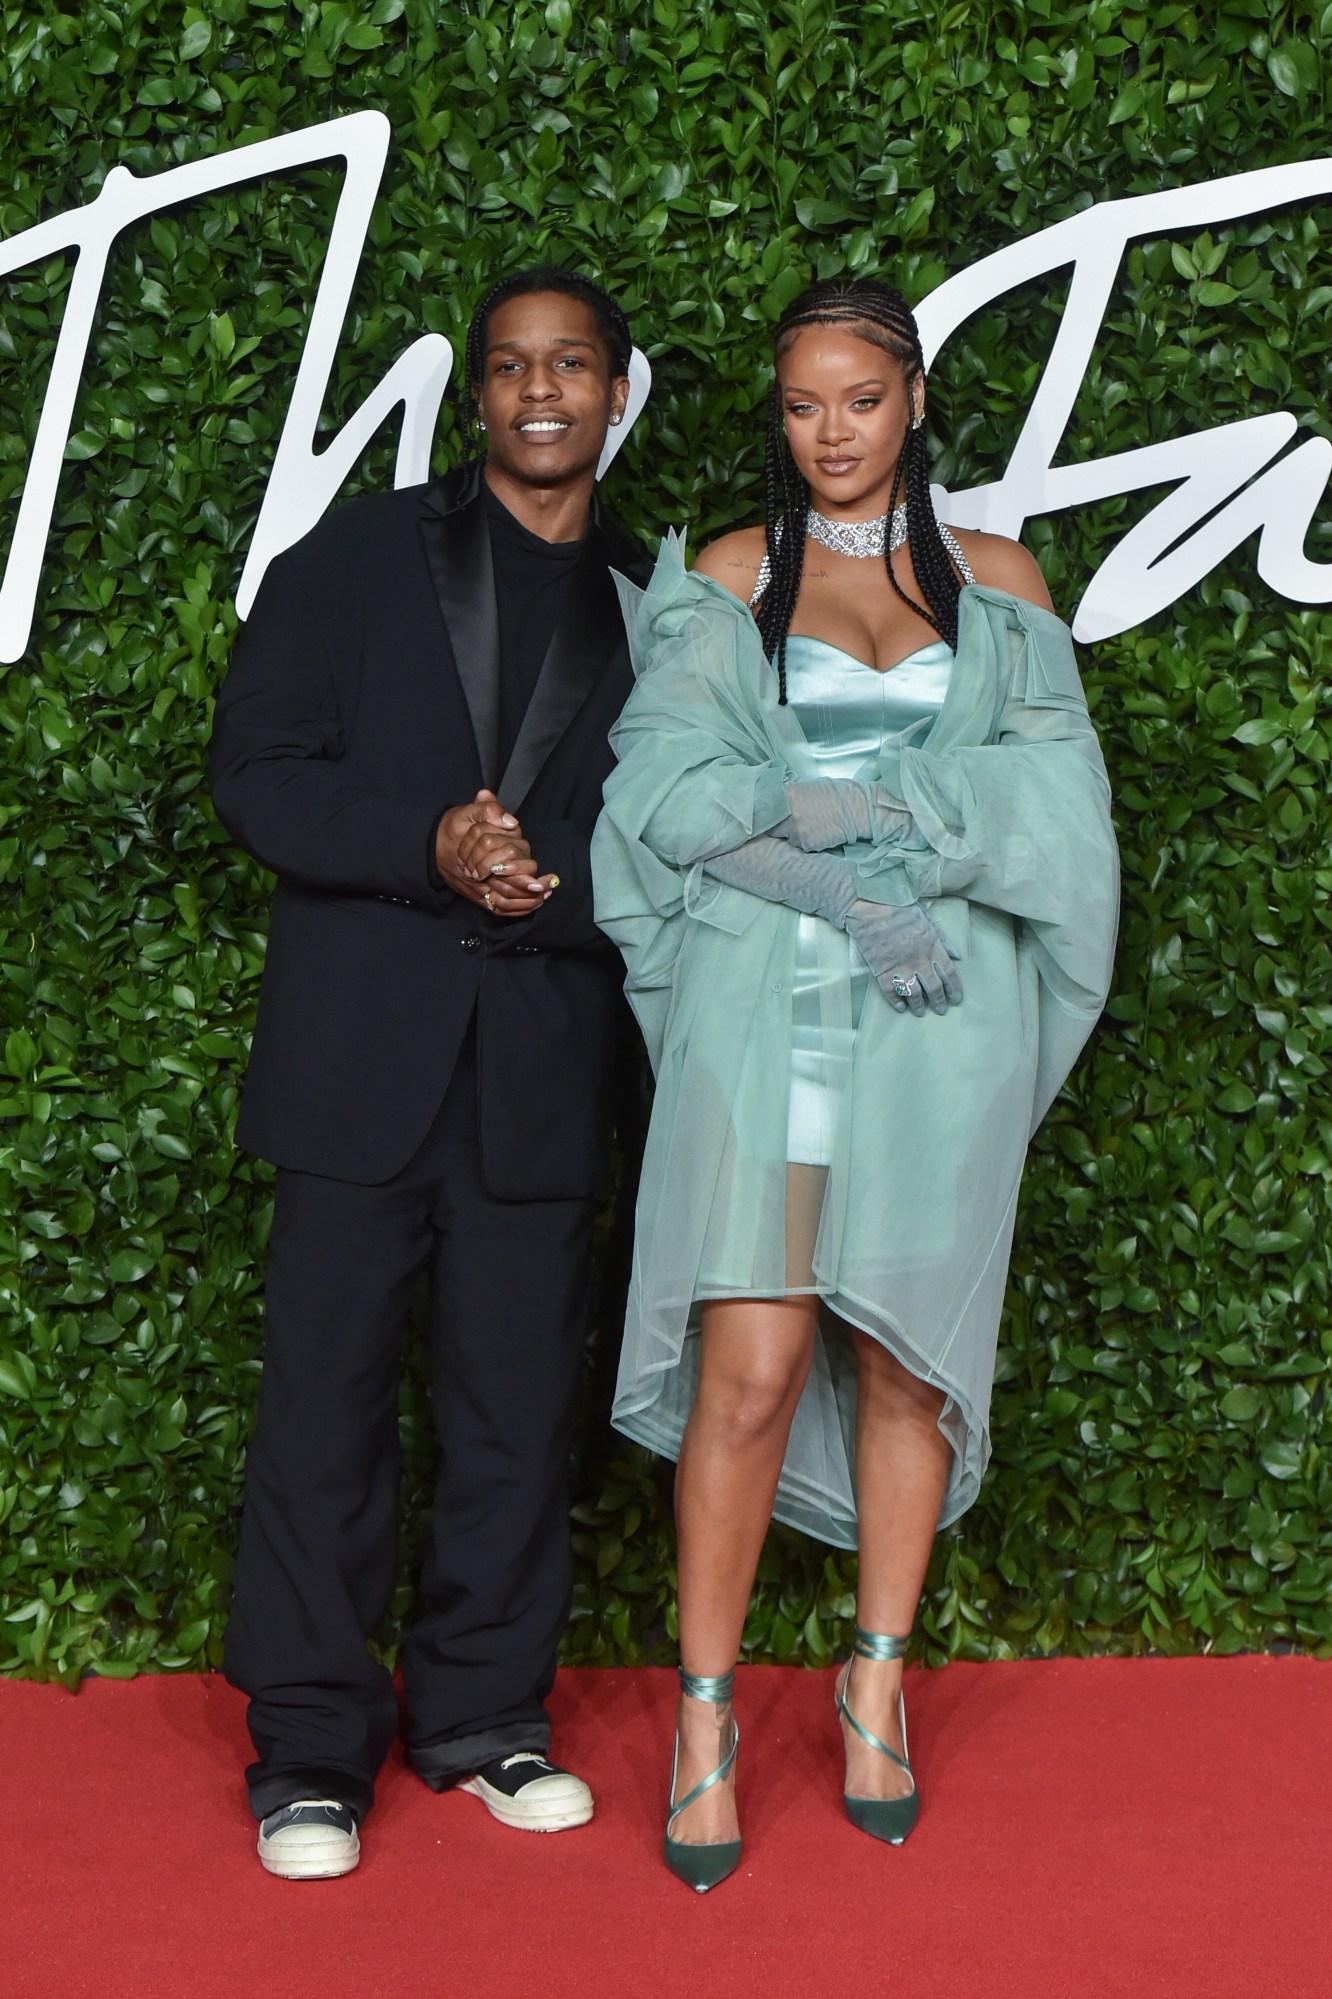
[881, 315]
[612, 325]
[786, 498]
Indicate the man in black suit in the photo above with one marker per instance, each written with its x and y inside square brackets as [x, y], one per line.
[413, 737]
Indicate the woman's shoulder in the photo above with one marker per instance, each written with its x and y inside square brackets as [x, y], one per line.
[734, 561]
[1002, 564]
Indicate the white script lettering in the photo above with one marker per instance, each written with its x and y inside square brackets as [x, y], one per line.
[1159, 560]
[303, 482]
[1227, 481]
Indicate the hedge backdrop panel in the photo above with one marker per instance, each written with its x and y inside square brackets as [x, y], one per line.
[1160, 1473]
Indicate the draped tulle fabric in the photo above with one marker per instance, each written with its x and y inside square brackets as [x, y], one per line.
[925, 1122]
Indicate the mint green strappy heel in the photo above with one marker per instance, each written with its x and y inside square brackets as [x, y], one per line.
[883, 1818]
[702, 1867]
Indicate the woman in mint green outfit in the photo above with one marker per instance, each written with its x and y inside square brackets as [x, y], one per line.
[855, 777]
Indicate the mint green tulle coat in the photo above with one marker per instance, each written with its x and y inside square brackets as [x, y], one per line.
[1015, 857]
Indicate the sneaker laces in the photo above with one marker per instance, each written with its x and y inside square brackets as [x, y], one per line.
[305, 1805]
[526, 1756]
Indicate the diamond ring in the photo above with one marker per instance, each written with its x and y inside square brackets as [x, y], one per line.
[904, 987]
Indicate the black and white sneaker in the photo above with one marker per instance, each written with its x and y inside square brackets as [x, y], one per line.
[312, 1840]
[527, 1790]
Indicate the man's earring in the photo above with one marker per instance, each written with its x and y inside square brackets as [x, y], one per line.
[616, 417]
[480, 423]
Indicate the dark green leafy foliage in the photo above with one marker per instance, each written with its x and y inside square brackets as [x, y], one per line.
[1160, 1414]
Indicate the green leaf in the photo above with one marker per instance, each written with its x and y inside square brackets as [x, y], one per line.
[1293, 68]
[1127, 104]
[127, 1266]
[20, 1052]
[1240, 1405]
[814, 214]
[18, 1377]
[914, 219]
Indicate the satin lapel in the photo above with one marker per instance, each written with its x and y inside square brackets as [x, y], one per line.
[588, 631]
[457, 547]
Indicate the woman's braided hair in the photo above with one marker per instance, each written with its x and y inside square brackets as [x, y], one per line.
[611, 325]
[876, 313]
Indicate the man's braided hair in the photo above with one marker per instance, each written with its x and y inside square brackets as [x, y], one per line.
[611, 324]
[876, 313]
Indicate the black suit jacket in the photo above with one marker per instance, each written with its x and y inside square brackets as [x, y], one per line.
[362, 700]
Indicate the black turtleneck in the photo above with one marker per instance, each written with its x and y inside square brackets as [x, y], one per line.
[531, 579]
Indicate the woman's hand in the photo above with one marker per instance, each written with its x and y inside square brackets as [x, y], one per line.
[906, 954]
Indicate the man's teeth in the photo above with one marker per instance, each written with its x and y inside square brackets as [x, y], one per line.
[544, 424]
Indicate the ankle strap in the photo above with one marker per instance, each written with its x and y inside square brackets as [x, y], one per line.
[874, 1645]
[701, 1687]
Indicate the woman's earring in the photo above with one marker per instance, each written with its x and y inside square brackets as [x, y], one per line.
[480, 423]
[615, 417]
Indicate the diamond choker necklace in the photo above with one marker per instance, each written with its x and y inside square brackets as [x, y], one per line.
[857, 537]
[860, 538]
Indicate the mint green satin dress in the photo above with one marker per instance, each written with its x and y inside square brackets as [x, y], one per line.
[805, 1137]
[849, 713]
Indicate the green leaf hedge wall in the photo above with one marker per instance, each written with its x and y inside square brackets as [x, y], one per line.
[1160, 1479]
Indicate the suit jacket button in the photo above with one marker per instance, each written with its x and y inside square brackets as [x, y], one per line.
[471, 942]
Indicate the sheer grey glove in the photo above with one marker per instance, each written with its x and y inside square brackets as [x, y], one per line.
[902, 948]
[816, 884]
[906, 954]
[841, 812]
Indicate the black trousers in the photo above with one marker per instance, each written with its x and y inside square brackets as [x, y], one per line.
[508, 1311]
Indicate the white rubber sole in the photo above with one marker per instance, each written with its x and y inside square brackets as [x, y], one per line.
[532, 1817]
[314, 1859]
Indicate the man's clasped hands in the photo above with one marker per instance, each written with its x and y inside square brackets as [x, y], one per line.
[481, 853]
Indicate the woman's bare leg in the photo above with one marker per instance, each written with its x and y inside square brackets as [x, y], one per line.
[902, 1465]
[755, 1360]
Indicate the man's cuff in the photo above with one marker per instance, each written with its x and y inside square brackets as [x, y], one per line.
[433, 876]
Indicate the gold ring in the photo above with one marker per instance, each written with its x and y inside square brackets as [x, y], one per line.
[486, 899]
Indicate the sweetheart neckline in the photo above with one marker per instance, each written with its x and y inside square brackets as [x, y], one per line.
[808, 638]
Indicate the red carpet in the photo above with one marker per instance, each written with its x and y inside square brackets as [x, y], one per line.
[1156, 1827]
